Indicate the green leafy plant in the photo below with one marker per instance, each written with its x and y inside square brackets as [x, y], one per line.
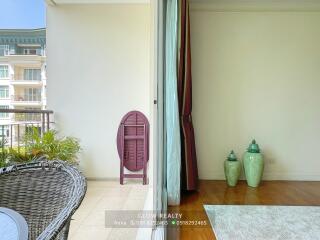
[3, 154]
[51, 146]
[19, 156]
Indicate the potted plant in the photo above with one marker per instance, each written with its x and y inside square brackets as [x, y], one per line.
[3, 154]
[51, 146]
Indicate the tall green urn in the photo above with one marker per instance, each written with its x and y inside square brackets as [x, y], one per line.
[253, 165]
[232, 169]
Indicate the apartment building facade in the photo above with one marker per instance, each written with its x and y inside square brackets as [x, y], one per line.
[22, 76]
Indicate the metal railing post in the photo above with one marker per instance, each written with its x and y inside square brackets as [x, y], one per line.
[43, 124]
[2, 138]
[48, 121]
[18, 131]
[11, 136]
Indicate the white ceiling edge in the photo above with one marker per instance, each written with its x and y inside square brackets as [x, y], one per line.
[255, 5]
[56, 2]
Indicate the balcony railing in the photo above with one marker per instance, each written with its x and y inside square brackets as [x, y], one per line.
[24, 78]
[37, 52]
[26, 98]
[27, 117]
[13, 135]
[6, 51]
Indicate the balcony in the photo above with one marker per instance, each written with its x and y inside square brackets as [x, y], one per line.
[24, 119]
[21, 81]
[23, 58]
[26, 100]
[27, 117]
[89, 220]
[21, 51]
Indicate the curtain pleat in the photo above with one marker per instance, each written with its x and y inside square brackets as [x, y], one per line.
[172, 123]
[189, 169]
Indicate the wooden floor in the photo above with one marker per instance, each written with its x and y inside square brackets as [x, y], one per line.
[217, 192]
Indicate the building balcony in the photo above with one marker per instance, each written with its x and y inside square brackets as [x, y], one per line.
[23, 50]
[22, 100]
[25, 82]
[24, 54]
[4, 81]
[17, 123]
[27, 117]
[22, 59]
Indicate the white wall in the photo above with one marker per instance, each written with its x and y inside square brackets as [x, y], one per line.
[98, 66]
[256, 74]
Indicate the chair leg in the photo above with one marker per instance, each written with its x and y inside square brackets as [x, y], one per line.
[122, 156]
[144, 174]
[121, 173]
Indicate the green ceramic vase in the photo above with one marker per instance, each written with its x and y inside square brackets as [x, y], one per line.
[232, 169]
[253, 165]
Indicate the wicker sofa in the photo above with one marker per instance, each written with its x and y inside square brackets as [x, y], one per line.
[46, 193]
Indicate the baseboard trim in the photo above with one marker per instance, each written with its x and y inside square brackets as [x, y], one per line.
[292, 177]
[217, 176]
[102, 178]
[273, 177]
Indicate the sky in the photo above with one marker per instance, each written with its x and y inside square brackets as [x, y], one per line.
[22, 14]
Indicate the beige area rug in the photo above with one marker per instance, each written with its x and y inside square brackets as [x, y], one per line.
[254, 222]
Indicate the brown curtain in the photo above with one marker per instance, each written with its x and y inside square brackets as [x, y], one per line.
[189, 169]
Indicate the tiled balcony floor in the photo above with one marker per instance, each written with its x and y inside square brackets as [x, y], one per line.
[89, 220]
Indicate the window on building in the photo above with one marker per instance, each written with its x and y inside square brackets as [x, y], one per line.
[4, 92]
[4, 131]
[32, 129]
[4, 115]
[32, 74]
[4, 71]
[30, 51]
[28, 117]
[33, 116]
[4, 50]
[32, 94]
